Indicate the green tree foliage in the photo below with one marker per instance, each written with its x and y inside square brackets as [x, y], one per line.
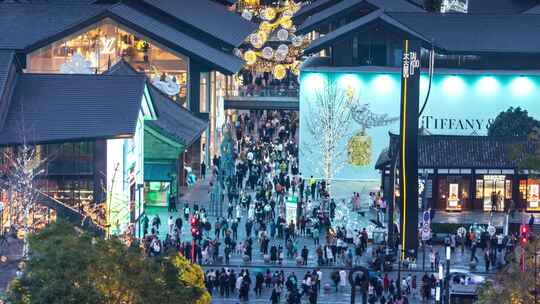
[69, 266]
[513, 122]
[433, 5]
[512, 284]
[531, 160]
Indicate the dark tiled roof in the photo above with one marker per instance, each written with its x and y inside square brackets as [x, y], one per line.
[8, 75]
[175, 39]
[209, 17]
[313, 8]
[533, 10]
[474, 152]
[476, 33]
[25, 24]
[453, 33]
[375, 18]
[173, 120]
[56, 108]
[500, 6]
[347, 7]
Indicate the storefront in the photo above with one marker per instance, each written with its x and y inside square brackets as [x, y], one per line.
[103, 44]
[486, 181]
[529, 191]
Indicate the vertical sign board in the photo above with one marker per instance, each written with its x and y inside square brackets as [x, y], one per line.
[408, 170]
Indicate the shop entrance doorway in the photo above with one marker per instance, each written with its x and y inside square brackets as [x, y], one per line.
[494, 192]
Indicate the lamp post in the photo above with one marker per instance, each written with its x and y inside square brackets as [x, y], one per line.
[438, 288]
[447, 279]
[139, 187]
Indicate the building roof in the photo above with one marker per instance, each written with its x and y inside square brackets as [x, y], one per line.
[56, 108]
[176, 40]
[25, 24]
[27, 27]
[209, 17]
[347, 7]
[8, 76]
[312, 8]
[533, 10]
[467, 152]
[463, 33]
[173, 120]
[500, 6]
[451, 33]
[376, 18]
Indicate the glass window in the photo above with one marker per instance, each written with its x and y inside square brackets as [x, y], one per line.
[508, 189]
[105, 43]
[156, 193]
[479, 188]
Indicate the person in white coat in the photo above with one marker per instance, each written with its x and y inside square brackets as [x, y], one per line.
[342, 279]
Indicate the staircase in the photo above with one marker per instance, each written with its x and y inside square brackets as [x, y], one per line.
[71, 215]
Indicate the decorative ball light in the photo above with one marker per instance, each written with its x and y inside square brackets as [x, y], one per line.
[269, 13]
[266, 26]
[287, 24]
[279, 72]
[280, 56]
[283, 48]
[250, 57]
[267, 53]
[287, 14]
[283, 34]
[247, 14]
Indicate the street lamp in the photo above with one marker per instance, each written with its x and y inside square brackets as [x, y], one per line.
[438, 288]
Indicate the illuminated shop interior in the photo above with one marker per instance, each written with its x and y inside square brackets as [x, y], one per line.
[105, 43]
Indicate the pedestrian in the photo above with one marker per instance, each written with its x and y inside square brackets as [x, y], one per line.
[156, 222]
[170, 224]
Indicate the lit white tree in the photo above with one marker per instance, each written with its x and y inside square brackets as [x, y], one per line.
[24, 165]
[329, 121]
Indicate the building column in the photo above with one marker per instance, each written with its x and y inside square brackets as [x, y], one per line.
[472, 187]
[100, 170]
[518, 203]
[194, 92]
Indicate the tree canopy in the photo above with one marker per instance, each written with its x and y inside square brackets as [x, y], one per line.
[513, 284]
[513, 122]
[70, 266]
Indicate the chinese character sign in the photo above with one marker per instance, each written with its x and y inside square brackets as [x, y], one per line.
[411, 63]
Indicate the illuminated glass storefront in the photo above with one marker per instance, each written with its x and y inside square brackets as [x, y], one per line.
[105, 43]
[461, 103]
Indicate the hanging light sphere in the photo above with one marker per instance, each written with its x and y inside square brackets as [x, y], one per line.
[283, 48]
[246, 14]
[287, 14]
[254, 39]
[280, 56]
[279, 71]
[286, 24]
[250, 57]
[266, 26]
[297, 41]
[269, 13]
[267, 53]
[283, 34]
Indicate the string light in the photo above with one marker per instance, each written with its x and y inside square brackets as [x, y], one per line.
[275, 24]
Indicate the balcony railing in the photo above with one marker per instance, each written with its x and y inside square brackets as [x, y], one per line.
[265, 91]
